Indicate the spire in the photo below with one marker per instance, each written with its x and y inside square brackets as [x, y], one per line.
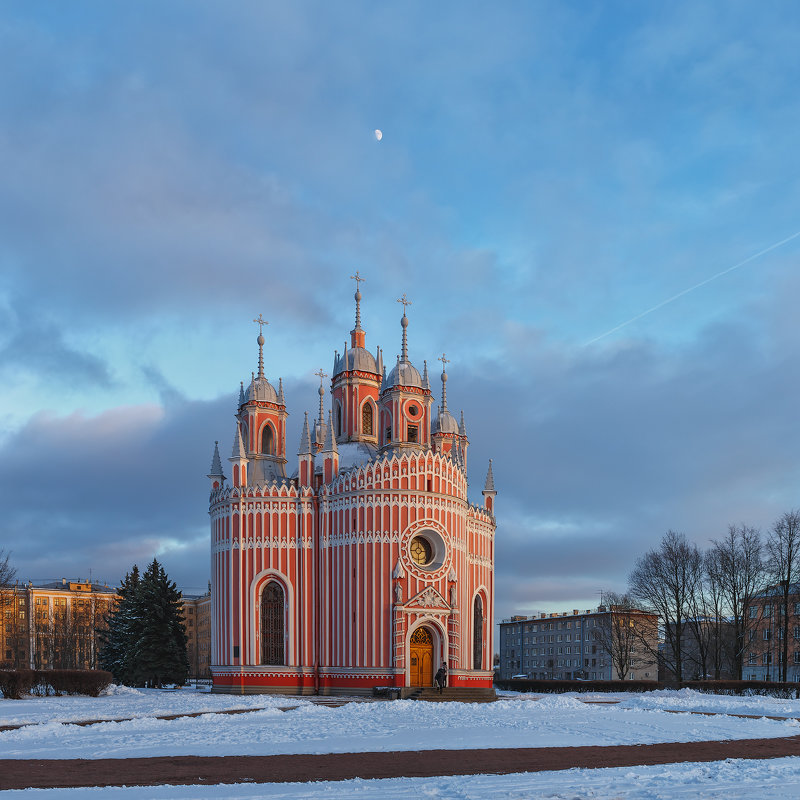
[444, 361]
[261, 323]
[330, 439]
[426, 384]
[489, 486]
[462, 428]
[455, 450]
[238, 445]
[358, 279]
[321, 391]
[241, 393]
[281, 398]
[216, 463]
[404, 323]
[305, 439]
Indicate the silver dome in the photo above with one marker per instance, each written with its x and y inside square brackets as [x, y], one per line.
[445, 422]
[404, 373]
[262, 390]
[357, 358]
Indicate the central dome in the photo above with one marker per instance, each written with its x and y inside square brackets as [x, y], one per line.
[356, 358]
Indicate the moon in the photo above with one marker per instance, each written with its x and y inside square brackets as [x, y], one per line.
[378, 134]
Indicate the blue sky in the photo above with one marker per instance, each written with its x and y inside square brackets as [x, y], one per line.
[547, 172]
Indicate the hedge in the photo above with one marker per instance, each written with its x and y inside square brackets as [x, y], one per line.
[768, 689]
[16, 683]
[556, 686]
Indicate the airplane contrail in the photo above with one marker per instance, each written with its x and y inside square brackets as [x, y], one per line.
[692, 288]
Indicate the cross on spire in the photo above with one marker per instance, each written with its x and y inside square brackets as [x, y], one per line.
[444, 361]
[359, 280]
[404, 323]
[405, 301]
[322, 375]
[261, 322]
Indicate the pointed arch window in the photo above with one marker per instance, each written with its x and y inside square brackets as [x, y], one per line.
[272, 625]
[366, 420]
[338, 420]
[477, 634]
[268, 441]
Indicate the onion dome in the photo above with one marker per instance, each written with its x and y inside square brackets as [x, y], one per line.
[355, 358]
[404, 373]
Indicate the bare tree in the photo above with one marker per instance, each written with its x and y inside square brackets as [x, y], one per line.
[7, 572]
[622, 629]
[664, 580]
[783, 567]
[740, 571]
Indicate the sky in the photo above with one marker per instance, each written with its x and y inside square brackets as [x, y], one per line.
[547, 173]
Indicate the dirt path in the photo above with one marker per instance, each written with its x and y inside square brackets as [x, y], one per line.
[190, 770]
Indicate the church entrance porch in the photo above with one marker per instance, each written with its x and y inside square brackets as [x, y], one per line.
[421, 657]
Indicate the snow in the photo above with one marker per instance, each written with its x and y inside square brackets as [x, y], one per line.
[518, 721]
[522, 720]
[775, 779]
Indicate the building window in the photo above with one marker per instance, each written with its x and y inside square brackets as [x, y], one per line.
[366, 419]
[477, 634]
[767, 634]
[766, 658]
[413, 433]
[753, 612]
[767, 610]
[268, 441]
[272, 628]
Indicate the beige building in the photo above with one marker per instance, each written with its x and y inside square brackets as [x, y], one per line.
[197, 618]
[56, 626]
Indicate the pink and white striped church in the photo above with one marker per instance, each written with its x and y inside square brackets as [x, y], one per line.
[362, 564]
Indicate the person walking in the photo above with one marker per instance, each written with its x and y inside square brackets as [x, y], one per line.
[440, 679]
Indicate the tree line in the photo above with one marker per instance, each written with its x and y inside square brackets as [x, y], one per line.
[704, 597]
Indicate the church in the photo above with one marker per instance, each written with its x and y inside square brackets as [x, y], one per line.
[362, 564]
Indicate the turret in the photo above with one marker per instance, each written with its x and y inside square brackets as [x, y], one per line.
[489, 492]
[405, 401]
[239, 458]
[215, 476]
[355, 385]
[305, 456]
[262, 417]
[446, 430]
[330, 455]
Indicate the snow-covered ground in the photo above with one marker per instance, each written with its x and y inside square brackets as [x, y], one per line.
[515, 721]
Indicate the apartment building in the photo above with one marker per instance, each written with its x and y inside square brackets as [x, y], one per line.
[763, 649]
[566, 646]
[53, 626]
[197, 617]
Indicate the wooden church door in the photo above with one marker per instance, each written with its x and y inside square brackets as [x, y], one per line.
[421, 657]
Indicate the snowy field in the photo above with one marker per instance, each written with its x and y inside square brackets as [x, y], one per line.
[515, 721]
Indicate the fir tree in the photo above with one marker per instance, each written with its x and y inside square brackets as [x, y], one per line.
[118, 640]
[160, 650]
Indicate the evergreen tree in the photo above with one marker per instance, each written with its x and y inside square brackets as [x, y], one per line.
[122, 631]
[160, 650]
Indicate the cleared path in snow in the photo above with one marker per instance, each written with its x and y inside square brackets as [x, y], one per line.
[195, 770]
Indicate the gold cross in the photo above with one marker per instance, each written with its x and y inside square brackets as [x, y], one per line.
[405, 301]
[358, 279]
[261, 323]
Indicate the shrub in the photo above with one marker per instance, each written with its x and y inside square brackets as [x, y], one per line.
[16, 683]
[557, 686]
[765, 688]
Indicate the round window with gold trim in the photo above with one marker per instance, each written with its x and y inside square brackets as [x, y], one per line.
[421, 551]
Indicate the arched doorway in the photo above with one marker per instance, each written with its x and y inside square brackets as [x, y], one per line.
[420, 657]
[477, 634]
[268, 441]
[272, 633]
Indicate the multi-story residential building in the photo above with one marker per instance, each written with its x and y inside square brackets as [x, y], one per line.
[55, 626]
[763, 650]
[576, 645]
[197, 617]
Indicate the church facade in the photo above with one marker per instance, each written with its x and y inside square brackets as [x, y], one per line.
[362, 564]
